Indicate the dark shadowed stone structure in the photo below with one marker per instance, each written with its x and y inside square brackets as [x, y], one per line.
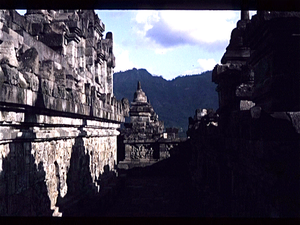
[143, 141]
[245, 157]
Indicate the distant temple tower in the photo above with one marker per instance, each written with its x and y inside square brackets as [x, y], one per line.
[144, 120]
[143, 139]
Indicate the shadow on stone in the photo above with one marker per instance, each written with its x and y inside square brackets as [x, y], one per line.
[78, 179]
[163, 189]
[23, 187]
[84, 197]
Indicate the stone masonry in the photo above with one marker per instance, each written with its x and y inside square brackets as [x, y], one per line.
[143, 141]
[244, 158]
[58, 115]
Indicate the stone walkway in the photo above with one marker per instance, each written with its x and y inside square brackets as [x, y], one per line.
[160, 190]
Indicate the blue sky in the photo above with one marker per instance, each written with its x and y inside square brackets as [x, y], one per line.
[169, 43]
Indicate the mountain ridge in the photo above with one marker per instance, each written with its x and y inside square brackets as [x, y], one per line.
[174, 100]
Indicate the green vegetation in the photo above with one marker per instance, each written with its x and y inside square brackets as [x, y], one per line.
[174, 101]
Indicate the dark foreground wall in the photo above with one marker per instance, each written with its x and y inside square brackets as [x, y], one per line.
[244, 158]
[252, 174]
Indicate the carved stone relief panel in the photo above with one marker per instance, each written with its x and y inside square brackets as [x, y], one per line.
[141, 152]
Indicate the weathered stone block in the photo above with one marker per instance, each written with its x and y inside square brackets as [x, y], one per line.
[36, 28]
[29, 61]
[60, 77]
[70, 84]
[52, 40]
[255, 112]
[5, 35]
[10, 74]
[18, 20]
[295, 117]
[89, 60]
[8, 53]
[7, 93]
[31, 80]
[61, 92]
[246, 105]
[81, 51]
[90, 41]
[47, 87]
[22, 81]
[47, 70]
[3, 78]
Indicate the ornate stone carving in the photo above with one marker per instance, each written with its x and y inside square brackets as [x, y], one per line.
[141, 152]
[58, 115]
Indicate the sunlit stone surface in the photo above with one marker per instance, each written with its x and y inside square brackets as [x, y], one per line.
[58, 115]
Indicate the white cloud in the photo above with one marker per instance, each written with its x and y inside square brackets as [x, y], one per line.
[204, 65]
[162, 51]
[203, 26]
[162, 30]
[123, 61]
[147, 17]
[193, 71]
[145, 20]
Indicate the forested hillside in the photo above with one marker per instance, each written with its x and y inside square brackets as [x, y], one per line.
[174, 101]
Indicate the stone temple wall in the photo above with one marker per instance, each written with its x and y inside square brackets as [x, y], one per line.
[58, 115]
[244, 158]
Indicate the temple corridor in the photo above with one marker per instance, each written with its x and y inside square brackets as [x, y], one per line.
[163, 189]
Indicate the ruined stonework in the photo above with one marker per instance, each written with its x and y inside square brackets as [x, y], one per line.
[143, 141]
[245, 157]
[58, 115]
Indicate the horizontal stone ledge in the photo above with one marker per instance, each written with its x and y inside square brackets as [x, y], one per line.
[148, 141]
[33, 113]
[11, 133]
[169, 141]
[27, 98]
[12, 118]
[25, 119]
[24, 126]
[49, 139]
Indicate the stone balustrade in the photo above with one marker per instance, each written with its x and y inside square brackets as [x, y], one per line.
[58, 115]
